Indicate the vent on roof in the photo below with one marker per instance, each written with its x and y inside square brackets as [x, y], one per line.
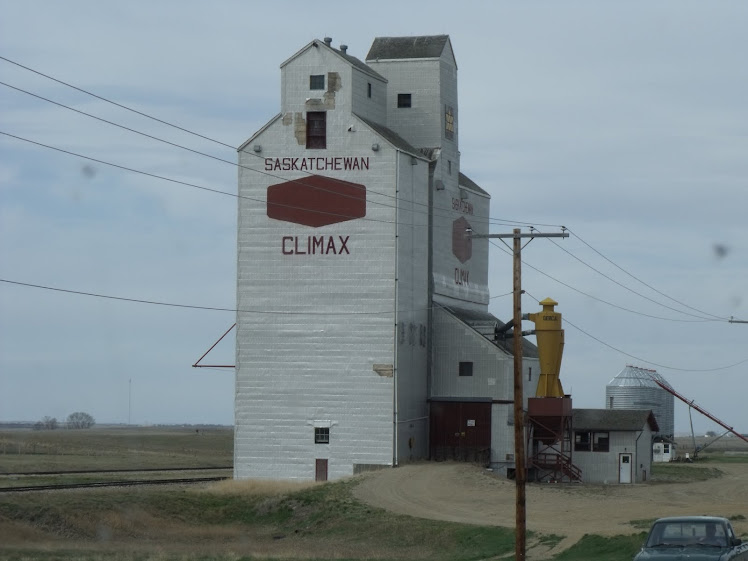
[343, 48]
[328, 41]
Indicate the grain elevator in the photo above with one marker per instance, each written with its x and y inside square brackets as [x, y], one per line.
[363, 334]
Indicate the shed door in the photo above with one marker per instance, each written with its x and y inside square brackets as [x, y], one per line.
[460, 431]
[624, 468]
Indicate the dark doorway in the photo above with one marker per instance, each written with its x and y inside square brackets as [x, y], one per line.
[461, 431]
[320, 470]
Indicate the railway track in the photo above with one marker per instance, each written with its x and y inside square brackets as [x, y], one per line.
[97, 484]
[108, 483]
[126, 470]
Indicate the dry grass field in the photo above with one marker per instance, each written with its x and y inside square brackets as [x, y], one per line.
[115, 448]
[435, 511]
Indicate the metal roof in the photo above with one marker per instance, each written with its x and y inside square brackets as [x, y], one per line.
[393, 138]
[635, 376]
[465, 181]
[429, 46]
[316, 43]
[613, 419]
[359, 64]
[484, 323]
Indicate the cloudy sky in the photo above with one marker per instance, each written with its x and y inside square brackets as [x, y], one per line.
[625, 122]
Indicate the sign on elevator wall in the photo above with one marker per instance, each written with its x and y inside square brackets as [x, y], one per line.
[462, 248]
[337, 163]
[316, 201]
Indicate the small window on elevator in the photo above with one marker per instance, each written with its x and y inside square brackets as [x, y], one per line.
[317, 82]
[368, 90]
[403, 100]
[466, 369]
[321, 435]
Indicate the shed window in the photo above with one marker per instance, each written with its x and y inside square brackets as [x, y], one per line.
[600, 442]
[316, 129]
[322, 435]
[403, 100]
[586, 441]
[581, 442]
[466, 369]
[317, 82]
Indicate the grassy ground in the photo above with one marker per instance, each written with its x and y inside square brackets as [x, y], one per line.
[117, 448]
[682, 473]
[617, 548]
[235, 520]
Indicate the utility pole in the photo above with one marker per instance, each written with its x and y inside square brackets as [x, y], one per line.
[520, 475]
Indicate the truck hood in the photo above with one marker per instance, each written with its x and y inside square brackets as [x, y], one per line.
[681, 554]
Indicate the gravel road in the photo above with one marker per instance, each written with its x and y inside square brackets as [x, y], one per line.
[467, 493]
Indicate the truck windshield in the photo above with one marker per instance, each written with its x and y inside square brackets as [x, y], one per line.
[687, 533]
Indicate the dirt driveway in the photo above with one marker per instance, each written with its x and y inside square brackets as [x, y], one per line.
[467, 493]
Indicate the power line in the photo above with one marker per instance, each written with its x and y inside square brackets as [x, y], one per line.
[649, 361]
[120, 298]
[117, 104]
[600, 299]
[488, 218]
[394, 197]
[502, 295]
[208, 308]
[642, 282]
[118, 125]
[217, 191]
[628, 288]
[643, 359]
[185, 183]
[152, 137]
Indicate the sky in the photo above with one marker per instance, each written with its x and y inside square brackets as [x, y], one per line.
[624, 122]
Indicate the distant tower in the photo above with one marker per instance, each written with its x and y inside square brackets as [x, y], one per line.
[635, 388]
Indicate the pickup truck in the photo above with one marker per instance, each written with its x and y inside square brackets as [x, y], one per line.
[696, 538]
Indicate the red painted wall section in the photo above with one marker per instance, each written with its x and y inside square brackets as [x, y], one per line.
[316, 201]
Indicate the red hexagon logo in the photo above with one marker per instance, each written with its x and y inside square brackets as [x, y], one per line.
[316, 201]
[462, 243]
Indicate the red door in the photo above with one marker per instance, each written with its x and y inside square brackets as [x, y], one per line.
[320, 470]
[460, 431]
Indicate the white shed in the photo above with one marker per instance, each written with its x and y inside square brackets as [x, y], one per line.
[613, 446]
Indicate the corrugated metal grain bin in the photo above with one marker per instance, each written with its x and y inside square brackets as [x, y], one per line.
[635, 388]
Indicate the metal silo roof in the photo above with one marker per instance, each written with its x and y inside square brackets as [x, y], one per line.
[633, 376]
[637, 388]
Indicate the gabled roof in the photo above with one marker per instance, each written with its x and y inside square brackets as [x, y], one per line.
[393, 138]
[465, 181]
[389, 48]
[352, 60]
[613, 419]
[255, 135]
[361, 65]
